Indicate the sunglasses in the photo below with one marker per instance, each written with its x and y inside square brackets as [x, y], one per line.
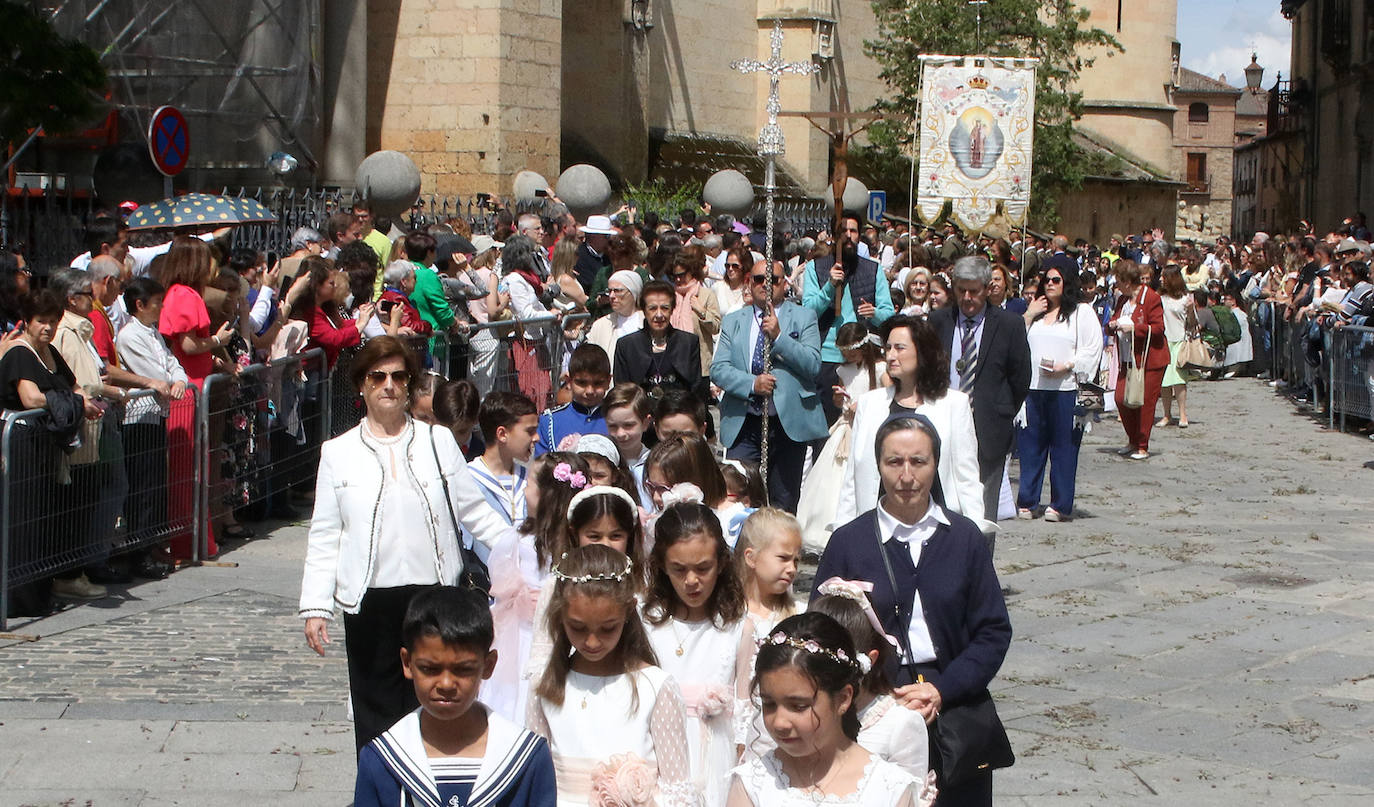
[734, 266]
[398, 377]
[677, 277]
[654, 487]
[1053, 280]
[771, 280]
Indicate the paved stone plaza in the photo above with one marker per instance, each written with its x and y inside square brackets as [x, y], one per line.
[1201, 634]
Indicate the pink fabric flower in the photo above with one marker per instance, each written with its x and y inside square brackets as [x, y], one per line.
[705, 701]
[569, 443]
[624, 780]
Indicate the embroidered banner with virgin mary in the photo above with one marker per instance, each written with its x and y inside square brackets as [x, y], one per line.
[976, 125]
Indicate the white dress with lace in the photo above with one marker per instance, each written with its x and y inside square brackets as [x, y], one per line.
[600, 720]
[897, 734]
[749, 728]
[761, 782]
[705, 660]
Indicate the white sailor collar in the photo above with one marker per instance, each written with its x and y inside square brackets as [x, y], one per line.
[509, 748]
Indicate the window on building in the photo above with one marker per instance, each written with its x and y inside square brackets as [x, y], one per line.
[1198, 113]
[1197, 169]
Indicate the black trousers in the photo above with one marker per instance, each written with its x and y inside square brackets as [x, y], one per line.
[380, 692]
[145, 461]
[785, 459]
[828, 378]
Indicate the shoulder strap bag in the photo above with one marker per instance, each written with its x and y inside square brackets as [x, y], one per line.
[475, 574]
[969, 736]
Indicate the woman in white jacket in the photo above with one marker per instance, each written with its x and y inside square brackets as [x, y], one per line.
[382, 531]
[919, 370]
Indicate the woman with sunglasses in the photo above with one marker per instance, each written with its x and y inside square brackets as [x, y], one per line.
[389, 497]
[1065, 340]
[732, 293]
[696, 310]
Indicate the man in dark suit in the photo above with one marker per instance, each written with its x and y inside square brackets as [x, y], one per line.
[990, 360]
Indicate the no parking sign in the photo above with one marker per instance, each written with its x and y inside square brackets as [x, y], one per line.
[169, 140]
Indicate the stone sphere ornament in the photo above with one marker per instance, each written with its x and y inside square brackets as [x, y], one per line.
[390, 181]
[729, 191]
[855, 196]
[526, 183]
[584, 189]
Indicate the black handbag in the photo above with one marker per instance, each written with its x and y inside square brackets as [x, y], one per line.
[475, 574]
[969, 737]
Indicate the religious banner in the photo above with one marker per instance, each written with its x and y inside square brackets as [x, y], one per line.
[976, 124]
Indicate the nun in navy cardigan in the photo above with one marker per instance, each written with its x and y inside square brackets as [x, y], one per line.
[960, 596]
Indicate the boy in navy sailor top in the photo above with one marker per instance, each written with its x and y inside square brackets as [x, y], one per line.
[452, 751]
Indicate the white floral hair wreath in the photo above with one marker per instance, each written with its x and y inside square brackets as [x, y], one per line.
[812, 646]
[869, 339]
[613, 577]
[601, 490]
[683, 493]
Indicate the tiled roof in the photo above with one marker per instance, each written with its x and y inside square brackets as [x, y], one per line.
[1191, 81]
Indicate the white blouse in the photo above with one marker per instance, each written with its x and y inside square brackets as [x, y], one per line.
[406, 542]
[1077, 340]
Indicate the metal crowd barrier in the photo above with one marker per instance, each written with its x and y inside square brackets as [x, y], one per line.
[260, 432]
[525, 356]
[136, 489]
[1352, 372]
[168, 471]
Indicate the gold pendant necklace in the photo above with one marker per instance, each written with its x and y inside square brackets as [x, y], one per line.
[672, 623]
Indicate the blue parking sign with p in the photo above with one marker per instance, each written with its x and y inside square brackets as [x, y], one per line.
[877, 205]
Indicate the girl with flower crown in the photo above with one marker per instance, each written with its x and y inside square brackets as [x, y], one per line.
[613, 718]
[600, 514]
[887, 728]
[806, 679]
[519, 564]
[695, 613]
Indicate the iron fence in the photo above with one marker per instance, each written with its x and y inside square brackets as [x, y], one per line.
[64, 506]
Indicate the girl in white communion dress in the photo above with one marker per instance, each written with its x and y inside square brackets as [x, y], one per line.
[613, 719]
[807, 675]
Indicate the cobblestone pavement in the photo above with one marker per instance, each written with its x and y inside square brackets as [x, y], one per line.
[1201, 632]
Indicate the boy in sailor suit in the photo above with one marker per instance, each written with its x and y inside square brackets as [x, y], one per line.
[452, 751]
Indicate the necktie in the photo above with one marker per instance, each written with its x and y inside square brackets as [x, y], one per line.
[968, 357]
[756, 363]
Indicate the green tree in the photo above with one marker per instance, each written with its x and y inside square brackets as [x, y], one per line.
[45, 79]
[1053, 31]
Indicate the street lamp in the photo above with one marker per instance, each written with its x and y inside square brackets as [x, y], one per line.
[1254, 74]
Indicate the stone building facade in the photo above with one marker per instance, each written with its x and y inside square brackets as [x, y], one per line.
[1328, 109]
[478, 90]
[1204, 150]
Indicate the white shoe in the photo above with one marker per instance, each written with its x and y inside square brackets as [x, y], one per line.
[1141, 455]
[1025, 514]
[1052, 514]
[78, 588]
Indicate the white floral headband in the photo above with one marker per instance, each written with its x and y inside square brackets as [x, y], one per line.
[812, 646]
[601, 490]
[563, 472]
[870, 339]
[737, 465]
[683, 493]
[613, 577]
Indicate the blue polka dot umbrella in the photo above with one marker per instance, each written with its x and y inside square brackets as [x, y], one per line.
[198, 211]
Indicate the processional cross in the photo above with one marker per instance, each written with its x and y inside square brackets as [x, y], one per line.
[771, 146]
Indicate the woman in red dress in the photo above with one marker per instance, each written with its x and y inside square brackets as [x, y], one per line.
[185, 323]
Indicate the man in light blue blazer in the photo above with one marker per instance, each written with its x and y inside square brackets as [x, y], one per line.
[785, 398]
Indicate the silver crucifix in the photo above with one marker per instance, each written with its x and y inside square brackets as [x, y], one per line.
[771, 146]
